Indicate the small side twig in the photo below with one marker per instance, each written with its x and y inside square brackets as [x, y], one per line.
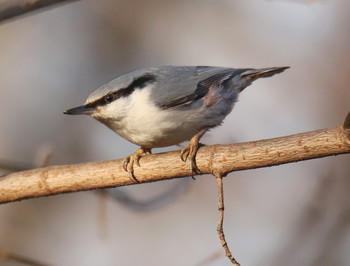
[220, 228]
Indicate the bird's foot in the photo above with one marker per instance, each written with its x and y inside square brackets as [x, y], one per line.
[190, 152]
[129, 161]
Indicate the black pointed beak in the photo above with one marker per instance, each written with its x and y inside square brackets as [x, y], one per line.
[80, 110]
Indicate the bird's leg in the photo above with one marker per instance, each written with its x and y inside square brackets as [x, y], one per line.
[191, 150]
[128, 163]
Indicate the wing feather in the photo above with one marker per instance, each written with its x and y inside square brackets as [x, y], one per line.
[197, 84]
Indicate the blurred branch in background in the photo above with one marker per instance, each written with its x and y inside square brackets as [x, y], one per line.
[307, 2]
[322, 225]
[216, 159]
[210, 259]
[10, 166]
[166, 197]
[42, 158]
[12, 8]
[7, 256]
[123, 197]
[325, 220]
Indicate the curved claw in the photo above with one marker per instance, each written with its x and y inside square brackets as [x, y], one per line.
[128, 166]
[129, 161]
[194, 167]
[125, 163]
[184, 154]
[137, 161]
[190, 152]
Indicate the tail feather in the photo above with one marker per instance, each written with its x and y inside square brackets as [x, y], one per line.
[263, 72]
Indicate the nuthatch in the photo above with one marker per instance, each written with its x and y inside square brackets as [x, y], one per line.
[164, 106]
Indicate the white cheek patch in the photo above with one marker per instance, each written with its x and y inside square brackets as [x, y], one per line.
[113, 113]
[119, 108]
[142, 110]
[140, 104]
[145, 121]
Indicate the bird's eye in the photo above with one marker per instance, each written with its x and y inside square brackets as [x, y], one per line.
[109, 98]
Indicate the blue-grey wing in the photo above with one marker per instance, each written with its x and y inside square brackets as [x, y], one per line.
[183, 85]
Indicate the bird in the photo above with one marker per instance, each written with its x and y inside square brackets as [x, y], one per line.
[164, 106]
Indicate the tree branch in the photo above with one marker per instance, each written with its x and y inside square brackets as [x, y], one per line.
[13, 8]
[216, 159]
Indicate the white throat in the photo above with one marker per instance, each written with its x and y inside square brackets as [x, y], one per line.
[136, 118]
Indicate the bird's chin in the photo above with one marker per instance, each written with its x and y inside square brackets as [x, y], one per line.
[104, 120]
[112, 123]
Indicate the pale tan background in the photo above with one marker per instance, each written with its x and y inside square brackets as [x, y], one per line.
[51, 61]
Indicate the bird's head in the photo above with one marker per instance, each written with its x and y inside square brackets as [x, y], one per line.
[110, 101]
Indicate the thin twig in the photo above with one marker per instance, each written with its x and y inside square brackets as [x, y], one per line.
[219, 228]
[217, 158]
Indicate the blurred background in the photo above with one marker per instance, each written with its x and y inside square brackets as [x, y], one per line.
[295, 214]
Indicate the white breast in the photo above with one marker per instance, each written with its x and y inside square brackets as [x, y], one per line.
[138, 120]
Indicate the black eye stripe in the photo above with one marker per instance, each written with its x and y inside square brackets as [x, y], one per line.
[141, 81]
[138, 83]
